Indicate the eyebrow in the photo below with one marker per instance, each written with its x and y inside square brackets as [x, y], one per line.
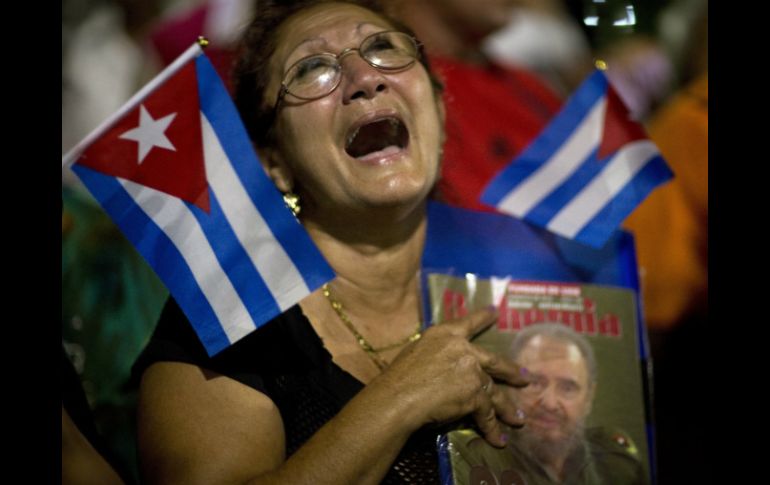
[568, 380]
[363, 24]
[312, 40]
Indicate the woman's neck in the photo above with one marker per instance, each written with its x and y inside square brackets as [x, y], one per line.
[376, 258]
[377, 263]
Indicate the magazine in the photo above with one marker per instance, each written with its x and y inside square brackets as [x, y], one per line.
[583, 426]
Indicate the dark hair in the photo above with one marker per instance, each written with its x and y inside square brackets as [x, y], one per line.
[251, 72]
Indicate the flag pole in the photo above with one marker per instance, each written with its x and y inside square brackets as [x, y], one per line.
[193, 51]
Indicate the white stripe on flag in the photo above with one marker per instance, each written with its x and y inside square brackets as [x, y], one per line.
[559, 167]
[279, 273]
[599, 192]
[180, 225]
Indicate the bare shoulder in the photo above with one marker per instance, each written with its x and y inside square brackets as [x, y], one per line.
[197, 426]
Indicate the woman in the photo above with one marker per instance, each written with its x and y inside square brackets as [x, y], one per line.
[342, 388]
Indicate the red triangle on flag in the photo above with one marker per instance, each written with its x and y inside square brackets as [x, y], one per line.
[619, 128]
[158, 143]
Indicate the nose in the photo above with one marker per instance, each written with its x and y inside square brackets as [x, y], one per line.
[548, 398]
[360, 79]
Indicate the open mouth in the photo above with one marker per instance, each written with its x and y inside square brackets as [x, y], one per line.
[381, 137]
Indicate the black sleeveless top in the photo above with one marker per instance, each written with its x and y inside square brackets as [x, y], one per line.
[285, 359]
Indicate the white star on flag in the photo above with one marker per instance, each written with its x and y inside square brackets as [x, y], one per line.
[206, 217]
[150, 133]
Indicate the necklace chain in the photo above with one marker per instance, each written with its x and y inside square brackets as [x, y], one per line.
[370, 350]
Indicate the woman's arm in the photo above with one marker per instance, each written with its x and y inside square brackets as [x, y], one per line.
[80, 462]
[201, 427]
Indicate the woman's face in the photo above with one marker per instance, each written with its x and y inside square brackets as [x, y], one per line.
[372, 142]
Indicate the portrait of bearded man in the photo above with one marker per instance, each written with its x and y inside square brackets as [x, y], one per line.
[555, 445]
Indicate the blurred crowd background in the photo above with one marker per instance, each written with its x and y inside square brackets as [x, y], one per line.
[656, 56]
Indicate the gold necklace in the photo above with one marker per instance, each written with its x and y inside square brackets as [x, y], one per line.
[365, 345]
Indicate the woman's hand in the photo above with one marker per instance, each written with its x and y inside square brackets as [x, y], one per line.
[444, 376]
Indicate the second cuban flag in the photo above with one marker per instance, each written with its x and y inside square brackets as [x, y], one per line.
[175, 170]
[588, 169]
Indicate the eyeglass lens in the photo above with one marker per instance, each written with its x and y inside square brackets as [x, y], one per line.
[318, 75]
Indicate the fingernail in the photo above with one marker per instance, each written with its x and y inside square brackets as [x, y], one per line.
[520, 414]
[523, 371]
[504, 438]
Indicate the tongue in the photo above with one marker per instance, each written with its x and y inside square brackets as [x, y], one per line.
[371, 139]
[388, 150]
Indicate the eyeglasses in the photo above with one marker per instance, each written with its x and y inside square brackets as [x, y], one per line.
[318, 75]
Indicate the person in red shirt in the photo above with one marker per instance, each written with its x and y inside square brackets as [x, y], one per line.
[492, 112]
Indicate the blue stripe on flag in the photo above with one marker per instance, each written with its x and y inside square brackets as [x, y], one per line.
[543, 212]
[159, 251]
[245, 278]
[549, 141]
[223, 117]
[654, 173]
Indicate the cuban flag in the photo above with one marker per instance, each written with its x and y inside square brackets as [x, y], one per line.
[176, 171]
[588, 169]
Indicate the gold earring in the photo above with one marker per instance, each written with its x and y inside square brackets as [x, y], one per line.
[292, 201]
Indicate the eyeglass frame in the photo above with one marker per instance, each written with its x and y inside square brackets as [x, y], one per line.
[337, 57]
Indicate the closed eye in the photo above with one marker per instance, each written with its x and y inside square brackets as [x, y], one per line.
[310, 68]
[381, 44]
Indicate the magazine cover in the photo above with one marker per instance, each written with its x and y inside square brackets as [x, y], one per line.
[585, 405]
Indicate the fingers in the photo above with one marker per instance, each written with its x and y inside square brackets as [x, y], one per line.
[486, 419]
[505, 407]
[501, 368]
[494, 411]
[471, 325]
[488, 387]
[470, 386]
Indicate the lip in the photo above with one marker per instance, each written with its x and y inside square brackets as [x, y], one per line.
[382, 157]
[545, 422]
